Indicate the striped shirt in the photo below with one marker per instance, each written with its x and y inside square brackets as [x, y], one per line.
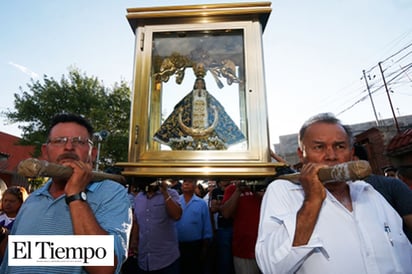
[41, 214]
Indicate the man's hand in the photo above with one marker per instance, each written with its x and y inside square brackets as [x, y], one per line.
[3, 233]
[163, 186]
[241, 186]
[81, 177]
[312, 186]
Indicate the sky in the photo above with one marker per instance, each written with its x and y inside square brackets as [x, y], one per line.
[315, 53]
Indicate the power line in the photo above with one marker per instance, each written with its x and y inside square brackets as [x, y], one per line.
[389, 98]
[395, 42]
[354, 104]
[337, 96]
[403, 57]
[407, 46]
[395, 75]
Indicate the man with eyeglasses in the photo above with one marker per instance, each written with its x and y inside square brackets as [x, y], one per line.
[74, 206]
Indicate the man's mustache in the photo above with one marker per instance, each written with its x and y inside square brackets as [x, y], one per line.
[65, 156]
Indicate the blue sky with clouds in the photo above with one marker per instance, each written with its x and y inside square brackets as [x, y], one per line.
[314, 51]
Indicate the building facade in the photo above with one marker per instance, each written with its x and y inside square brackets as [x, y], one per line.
[11, 154]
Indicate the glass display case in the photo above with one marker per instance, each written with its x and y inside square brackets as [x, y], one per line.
[199, 99]
[198, 90]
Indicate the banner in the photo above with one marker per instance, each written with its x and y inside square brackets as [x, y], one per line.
[60, 250]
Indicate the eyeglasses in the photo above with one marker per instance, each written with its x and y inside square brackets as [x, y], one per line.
[75, 141]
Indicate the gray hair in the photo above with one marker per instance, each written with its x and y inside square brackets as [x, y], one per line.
[328, 118]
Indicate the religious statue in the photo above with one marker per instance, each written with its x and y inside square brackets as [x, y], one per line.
[199, 121]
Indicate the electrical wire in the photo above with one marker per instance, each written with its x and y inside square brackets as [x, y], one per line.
[395, 76]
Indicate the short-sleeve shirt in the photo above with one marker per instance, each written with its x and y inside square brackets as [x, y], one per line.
[41, 214]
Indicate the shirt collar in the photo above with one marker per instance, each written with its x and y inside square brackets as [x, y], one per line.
[44, 190]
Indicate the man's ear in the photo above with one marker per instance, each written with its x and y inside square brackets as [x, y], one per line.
[354, 156]
[91, 158]
[300, 154]
[44, 151]
[94, 154]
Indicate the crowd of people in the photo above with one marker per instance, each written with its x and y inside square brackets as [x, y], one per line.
[224, 226]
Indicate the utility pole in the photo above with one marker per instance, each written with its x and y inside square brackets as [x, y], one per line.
[389, 98]
[99, 142]
[370, 96]
[99, 137]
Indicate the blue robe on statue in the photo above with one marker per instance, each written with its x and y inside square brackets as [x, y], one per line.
[224, 134]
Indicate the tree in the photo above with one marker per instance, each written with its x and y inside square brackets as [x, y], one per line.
[107, 109]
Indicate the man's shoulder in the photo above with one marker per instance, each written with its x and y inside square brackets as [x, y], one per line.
[199, 200]
[108, 188]
[173, 191]
[281, 189]
[284, 184]
[196, 198]
[106, 184]
[384, 181]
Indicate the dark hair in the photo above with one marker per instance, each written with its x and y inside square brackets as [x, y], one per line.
[68, 118]
[405, 171]
[18, 191]
[389, 169]
[360, 152]
[328, 118]
[203, 191]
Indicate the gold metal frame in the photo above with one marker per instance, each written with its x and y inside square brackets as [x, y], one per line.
[255, 162]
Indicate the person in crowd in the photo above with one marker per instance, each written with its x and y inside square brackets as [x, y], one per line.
[154, 235]
[404, 174]
[13, 198]
[176, 185]
[337, 227]
[194, 230]
[390, 171]
[211, 185]
[210, 264]
[396, 192]
[77, 205]
[3, 187]
[243, 205]
[201, 190]
[224, 231]
[131, 194]
[214, 203]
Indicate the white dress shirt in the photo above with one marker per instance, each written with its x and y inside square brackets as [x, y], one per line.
[367, 240]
